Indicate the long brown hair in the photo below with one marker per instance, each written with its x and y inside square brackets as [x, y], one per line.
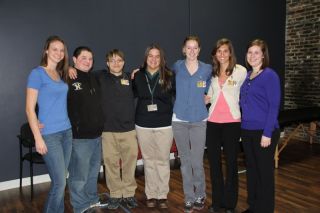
[164, 72]
[232, 59]
[63, 65]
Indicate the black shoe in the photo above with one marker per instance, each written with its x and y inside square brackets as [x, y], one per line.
[151, 203]
[130, 202]
[163, 204]
[229, 210]
[213, 210]
[247, 211]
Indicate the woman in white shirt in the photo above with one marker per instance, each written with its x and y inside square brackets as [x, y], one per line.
[223, 125]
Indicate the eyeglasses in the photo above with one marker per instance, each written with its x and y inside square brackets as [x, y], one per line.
[113, 61]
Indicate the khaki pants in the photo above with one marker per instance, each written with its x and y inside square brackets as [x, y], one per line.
[116, 146]
[155, 145]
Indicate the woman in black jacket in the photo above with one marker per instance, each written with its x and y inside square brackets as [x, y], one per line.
[154, 86]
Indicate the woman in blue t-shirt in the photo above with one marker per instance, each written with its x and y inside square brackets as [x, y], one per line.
[47, 88]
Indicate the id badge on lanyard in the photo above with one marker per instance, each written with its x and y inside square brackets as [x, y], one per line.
[152, 107]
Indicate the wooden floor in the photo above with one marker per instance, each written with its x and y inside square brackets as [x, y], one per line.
[297, 187]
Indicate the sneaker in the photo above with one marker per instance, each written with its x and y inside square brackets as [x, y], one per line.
[199, 203]
[188, 207]
[89, 210]
[112, 203]
[130, 202]
[100, 203]
[92, 207]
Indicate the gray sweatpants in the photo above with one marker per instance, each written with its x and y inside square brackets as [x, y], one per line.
[190, 138]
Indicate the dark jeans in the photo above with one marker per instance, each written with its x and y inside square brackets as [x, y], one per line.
[260, 170]
[84, 169]
[226, 135]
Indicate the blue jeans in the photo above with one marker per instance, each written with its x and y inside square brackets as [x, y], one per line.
[190, 139]
[57, 159]
[84, 169]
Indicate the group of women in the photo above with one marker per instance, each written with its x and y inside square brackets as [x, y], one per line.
[173, 104]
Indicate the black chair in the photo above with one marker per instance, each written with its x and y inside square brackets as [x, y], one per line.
[26, 140]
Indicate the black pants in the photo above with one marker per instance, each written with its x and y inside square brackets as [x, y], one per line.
[226, 135]
[260, 170]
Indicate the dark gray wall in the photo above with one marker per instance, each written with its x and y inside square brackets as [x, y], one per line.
[124, 24]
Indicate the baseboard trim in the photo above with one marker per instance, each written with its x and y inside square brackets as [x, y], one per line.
[12, 184]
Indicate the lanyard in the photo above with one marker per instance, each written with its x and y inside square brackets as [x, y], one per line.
[154, 86]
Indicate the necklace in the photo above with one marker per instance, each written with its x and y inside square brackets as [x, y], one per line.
[255, 74]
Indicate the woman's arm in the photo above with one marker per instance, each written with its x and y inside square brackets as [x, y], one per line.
[242, 74]
[72, 72]
[31, 100]
[208, 97]
[273, 92]
[134, 72]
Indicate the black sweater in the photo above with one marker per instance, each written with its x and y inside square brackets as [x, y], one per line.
[84, 106]
[163, 99]
[117, 102]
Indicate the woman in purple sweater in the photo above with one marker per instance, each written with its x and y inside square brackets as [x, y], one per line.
[260, 101]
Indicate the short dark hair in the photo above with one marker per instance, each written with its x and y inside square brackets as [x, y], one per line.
[78, 51]
[113, 52]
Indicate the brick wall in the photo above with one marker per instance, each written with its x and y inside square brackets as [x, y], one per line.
[302, 68]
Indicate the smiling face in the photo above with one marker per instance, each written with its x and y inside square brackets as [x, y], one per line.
[84, 61]
[55, 52]
[191, 50]
[153, 60]
[255, 57]
[223, 54]
[115, 64]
